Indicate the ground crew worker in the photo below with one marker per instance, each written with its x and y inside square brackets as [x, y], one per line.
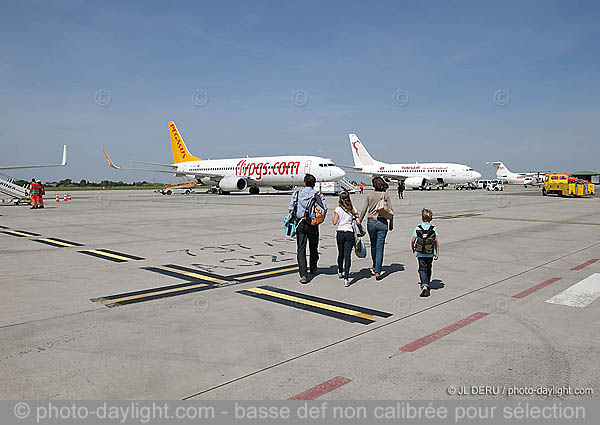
[362, 188]
[34, 193]
[41, 196]
[401, 187]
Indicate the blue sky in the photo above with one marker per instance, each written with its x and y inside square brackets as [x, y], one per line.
[349, 58]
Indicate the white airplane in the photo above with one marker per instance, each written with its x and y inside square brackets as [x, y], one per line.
[506, 176]
[20, 167]
[238, 174]
[416, 175]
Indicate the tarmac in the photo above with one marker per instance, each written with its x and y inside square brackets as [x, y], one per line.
[135, 295]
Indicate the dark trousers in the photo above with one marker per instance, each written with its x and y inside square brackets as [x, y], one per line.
[306, 232]
[425, 264]
[345, 243]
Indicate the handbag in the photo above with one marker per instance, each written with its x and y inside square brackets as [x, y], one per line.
[290, 222]
[382, 208]
[358, 229]
[359, 248]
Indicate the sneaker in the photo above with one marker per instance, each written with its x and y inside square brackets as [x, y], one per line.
[303, 280]
[313, 272]
[424, 291]
[341, 276]
[378, 276]
[346, 283]
[372, 270]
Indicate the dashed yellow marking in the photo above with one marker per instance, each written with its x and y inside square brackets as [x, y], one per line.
[54, 241]
[15, 232]
[311, 303]
[151, 294]
[252, 276]
[107, 254]
[192, 274]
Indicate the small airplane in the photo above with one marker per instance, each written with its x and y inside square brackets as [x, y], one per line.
[506, 176]
[238, 174]
[416, 175]
[20, 167]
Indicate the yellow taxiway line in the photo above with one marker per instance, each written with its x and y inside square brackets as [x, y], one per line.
[311, 303]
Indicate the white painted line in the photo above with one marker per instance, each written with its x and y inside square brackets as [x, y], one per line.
[581, 294]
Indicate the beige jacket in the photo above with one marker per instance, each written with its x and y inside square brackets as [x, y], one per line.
[371, 202]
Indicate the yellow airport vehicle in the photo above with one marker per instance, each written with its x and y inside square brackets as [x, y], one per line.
[563, 184]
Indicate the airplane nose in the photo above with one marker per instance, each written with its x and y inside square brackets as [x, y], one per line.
[476, 175]
[339, 173]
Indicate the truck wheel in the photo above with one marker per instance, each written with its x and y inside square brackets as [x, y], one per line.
[169, 192]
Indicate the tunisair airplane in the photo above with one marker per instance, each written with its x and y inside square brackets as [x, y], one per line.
[239, 174]
[415, 175]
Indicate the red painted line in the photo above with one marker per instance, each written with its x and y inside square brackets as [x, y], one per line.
[426, 340]
[537, 287]
[587, 263]
[324, 388]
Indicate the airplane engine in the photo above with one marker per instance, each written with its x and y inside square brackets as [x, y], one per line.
[233, 184]
[414, 182]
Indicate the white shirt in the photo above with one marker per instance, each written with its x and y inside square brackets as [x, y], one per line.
[345, 221]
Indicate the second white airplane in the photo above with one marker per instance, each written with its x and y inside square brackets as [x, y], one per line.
[415, 175]
[239, 174]
[507, 176]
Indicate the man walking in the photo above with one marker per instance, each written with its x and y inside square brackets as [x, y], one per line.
[307, 202]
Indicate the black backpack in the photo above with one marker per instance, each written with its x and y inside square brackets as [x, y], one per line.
[425, 242]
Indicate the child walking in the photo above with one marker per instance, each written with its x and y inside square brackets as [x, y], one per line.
[342, 217]
[426, 244]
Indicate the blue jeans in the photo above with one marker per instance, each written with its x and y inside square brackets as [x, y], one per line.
[377, 232]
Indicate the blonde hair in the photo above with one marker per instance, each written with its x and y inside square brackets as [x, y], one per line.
[426, 215]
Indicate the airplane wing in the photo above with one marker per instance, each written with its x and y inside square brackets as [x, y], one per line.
[173, 171]
[350, 168]
[62, 164]
[355, 170]
[154, 163]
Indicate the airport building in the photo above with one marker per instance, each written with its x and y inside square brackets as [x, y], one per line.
[591, 176]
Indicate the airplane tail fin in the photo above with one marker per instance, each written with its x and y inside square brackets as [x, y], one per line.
[500, 167]
[360, 153]
[180, 151]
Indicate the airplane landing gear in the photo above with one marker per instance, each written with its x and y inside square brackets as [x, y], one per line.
[254, 190]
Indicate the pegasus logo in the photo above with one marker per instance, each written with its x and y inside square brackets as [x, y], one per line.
[178, 141]
[356, 147]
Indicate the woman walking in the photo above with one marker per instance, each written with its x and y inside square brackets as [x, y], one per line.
[380, 215]
[342, 217]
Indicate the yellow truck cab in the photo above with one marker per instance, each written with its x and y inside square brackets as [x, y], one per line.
[563, 184]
